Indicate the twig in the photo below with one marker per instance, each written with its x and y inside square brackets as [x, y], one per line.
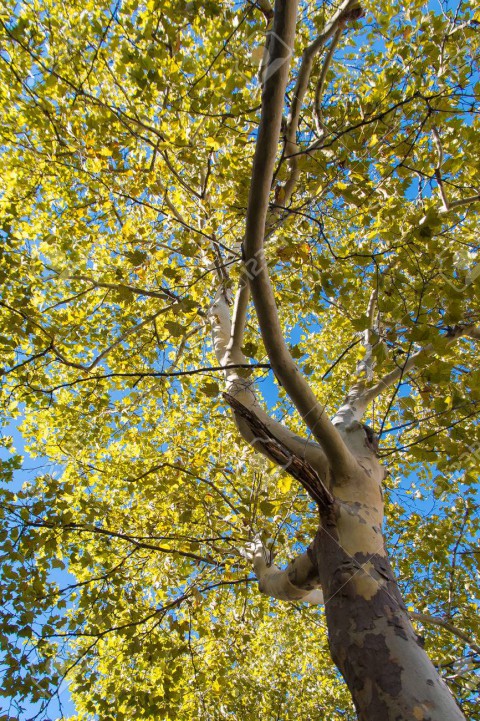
[426, 618]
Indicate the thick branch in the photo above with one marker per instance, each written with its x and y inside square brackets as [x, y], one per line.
[270, 446]
[390, 378]
[396, 374]
[353, 409]
[266, 8]
[298, 582]
[366, 365]
[265, 152]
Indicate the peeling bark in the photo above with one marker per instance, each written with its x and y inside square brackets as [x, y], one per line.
[371, 637]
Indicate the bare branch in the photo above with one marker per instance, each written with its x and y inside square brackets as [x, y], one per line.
[81, 528]
[139, 375]
[27, 361]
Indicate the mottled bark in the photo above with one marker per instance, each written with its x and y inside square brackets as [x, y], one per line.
[371, 637]
[372, 640]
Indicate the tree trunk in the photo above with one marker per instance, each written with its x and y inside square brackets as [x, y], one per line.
[371, 638]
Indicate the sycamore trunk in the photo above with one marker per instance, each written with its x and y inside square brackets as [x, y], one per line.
[371, 638]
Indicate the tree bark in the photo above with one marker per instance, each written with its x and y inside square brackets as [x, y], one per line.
[371, 637]
[372, 641]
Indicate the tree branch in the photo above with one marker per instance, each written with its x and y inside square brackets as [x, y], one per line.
[27, 361]
[390, 378]
[163, 293]
[426, 618]
[152, 374]
[339, 19]
[115, 344]
[270, 446]
[80, 528]
[239, 317]
[452, 204]
[262, 292]
[438, 169]
[242, 389]
[447, 204]
[336, 23]
[321, 80]
[298, 582]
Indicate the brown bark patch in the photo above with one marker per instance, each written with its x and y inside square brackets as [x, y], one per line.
[374, 672]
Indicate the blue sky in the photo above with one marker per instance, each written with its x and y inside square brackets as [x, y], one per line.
[31, 467]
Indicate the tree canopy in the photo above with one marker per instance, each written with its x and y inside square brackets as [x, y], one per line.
[128, 133]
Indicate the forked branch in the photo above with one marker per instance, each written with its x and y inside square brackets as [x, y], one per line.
[227, 339]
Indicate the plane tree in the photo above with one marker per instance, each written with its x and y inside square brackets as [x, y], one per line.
[240, 326]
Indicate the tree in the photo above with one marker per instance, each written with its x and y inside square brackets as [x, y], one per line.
[194, 192]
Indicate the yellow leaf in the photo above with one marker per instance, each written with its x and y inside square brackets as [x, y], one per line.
[284, 483]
